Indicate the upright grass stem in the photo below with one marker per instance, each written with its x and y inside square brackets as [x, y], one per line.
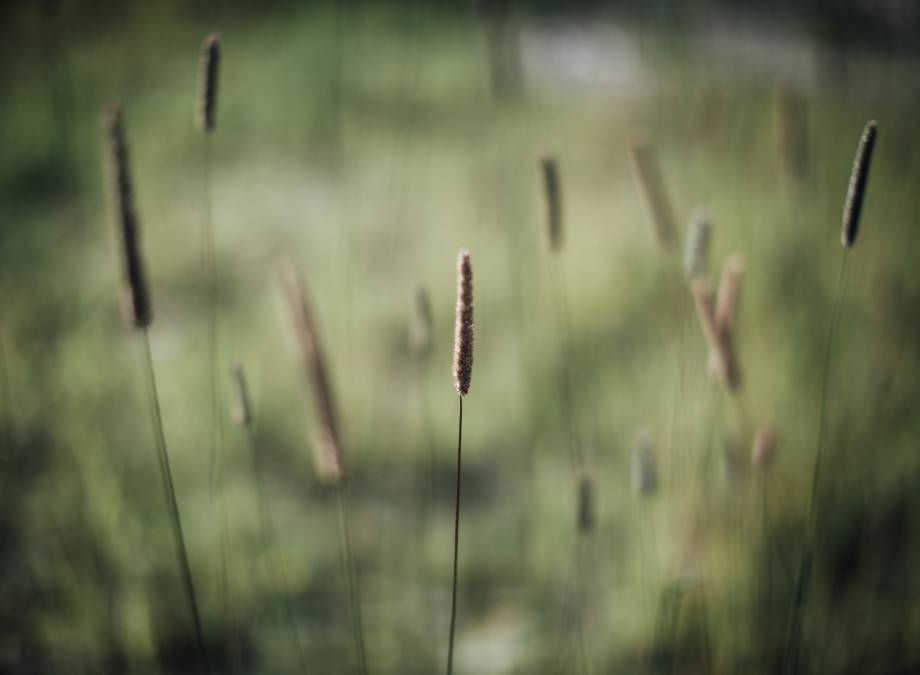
[270, 538]
[156, 419]
[794, 626]
[351, 574]
[453, 595]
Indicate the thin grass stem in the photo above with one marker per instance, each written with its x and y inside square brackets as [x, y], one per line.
[351, 574]
[156, 418]
[453, 595]
[794, 626]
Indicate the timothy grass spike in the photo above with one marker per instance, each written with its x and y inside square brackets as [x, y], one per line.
[586, 512]
[696, 253]
[651, 184]
[553, 192]
[328, 454]
[136, 303]
[208, 69]
[859, 178]
[241, 408]
[463, 326]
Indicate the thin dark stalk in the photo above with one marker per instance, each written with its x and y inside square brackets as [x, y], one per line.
[565, 342]
[211, 271]
[156, 419]
[270, 541]
[453, 595]
[794, 626]
[351, 574]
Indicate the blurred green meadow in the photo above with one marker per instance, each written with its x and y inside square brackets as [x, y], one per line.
[368, 143]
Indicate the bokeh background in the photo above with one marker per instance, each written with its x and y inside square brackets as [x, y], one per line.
[368, 142]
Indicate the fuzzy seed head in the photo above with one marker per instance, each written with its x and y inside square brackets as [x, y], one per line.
[644, 472]
[763, 448]
[696, 253]
[585, 505]
[136, 304]
[553, 192]
[859, 178]
[729, 291]
[648, 176]
[208, 69]
[463, 325]
[721, 352]
[328, 454]
[241, 408]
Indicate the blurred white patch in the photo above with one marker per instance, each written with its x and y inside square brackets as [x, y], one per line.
[564, 59]
[495, 645]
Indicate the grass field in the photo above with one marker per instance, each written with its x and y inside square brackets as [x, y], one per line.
[368, 145]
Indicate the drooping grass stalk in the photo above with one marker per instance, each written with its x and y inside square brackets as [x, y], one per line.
[138, 313]
[852, 211]
[244, 417]
[463, 374]
[328, 454]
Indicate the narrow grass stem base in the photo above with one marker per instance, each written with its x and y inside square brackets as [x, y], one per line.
[794, 626]
[156, 418]
[453, 595]
[270, 541]
[351, 575]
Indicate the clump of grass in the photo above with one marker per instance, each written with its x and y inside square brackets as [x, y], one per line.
[852, 211]
[328, 453]
[138, 312]
[463, 374]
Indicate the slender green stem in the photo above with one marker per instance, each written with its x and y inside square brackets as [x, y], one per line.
[351, 574]
[270, 541]
[211, 271]
[794, 626]
[156, 418]
[453, 596]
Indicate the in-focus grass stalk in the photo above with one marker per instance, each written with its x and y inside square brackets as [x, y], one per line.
[244, 417]
[852, 212]
[138, 312]
[463, 374]
[328, 454]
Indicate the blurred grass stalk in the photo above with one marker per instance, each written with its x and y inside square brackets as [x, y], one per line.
[243, 416]
[138, 313]
[328, 453]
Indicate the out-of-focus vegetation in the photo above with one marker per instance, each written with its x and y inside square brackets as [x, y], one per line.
[369, 144]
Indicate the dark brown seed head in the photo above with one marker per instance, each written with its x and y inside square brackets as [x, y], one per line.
[208, 68]
[420, 324]
[651, 185]
[585, 505]
[241, 408]
[463, 325]
[553, 193]
[856, 192]
[328, 454]
[136, 305]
